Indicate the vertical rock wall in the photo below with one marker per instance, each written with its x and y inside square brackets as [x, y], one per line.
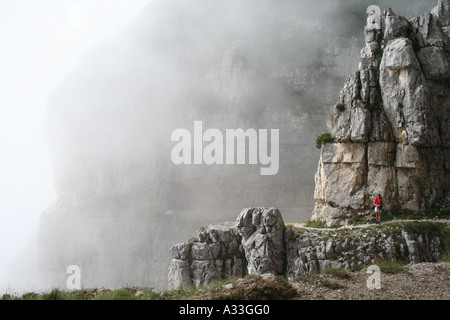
[390, 123]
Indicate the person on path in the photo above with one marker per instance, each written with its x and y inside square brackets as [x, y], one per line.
[378, 202]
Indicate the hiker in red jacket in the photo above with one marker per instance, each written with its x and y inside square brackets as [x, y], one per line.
[378, 202]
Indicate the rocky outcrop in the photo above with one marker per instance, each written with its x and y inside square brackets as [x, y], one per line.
[313, 251]
[215, 253]
[262, 232]
[252, 245]
[391, 122]
[259, 243]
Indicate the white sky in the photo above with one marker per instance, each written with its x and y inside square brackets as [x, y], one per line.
[40, 40]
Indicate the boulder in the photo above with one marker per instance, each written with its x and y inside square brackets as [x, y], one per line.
[262, 231]
[214, 253]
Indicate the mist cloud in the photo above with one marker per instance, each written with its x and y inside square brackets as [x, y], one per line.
[231, 64]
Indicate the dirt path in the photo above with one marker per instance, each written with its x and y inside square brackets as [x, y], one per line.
[367, 225]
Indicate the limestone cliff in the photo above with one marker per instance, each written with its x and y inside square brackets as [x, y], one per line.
[390, 125]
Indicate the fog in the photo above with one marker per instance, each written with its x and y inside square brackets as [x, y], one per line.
[91, 92]
[39, 44]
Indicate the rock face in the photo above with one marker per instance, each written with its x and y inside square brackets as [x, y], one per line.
[391, 122]
[252, 245]
[312, 251]
[214, 253]
[259, 243]
[262, 232]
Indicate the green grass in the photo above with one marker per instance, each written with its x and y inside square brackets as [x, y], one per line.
[118, 294]
[445, 257]
[30, 296]
[319, 225]
[337, 272]
[251, 287]
[180, 294]
[55, 294]
[324, 138]
[254, 287]
[340, 107]
[388, 266]
[297, 231]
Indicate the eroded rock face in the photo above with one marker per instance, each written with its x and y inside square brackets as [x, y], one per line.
[254, 244]
[312, 251]
[262, 232]
[391, 122]
[214, 253]
[406, 97]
